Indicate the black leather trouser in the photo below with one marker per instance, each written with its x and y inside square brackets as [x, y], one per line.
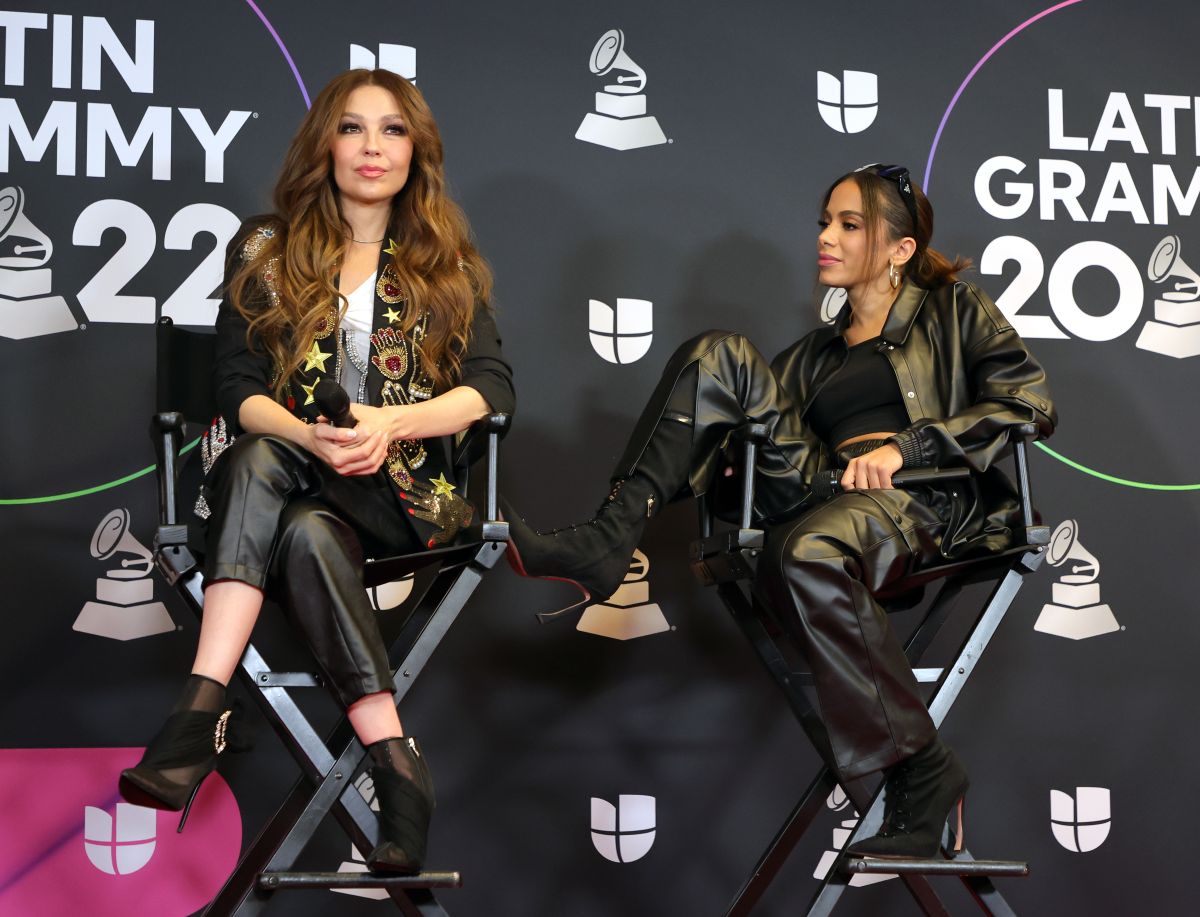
[823, 564]
[819, 573]
[284, 521]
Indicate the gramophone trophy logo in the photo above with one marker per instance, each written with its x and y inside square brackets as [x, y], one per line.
[628, 613]
[1075, 610]
[27, 308]
[1175, 328]
[124, 607]
[620, 121]
[832, 304]
[838, 802]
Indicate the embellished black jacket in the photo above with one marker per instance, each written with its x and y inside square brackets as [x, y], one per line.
[395, 376]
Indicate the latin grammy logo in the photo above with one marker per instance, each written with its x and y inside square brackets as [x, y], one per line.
[357, 865]
[628, 613]
[838, 802]
[832, 304]
[1175, 328]
[1075, 610]
[27, 309]
[620, 121]
[124, 607]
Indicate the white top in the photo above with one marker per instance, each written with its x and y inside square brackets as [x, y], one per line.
[360, 315]
[361, 312]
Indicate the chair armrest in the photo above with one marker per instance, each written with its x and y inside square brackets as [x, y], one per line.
[485, 433]
[470, 444]
[171, 553]
[166, 432]
[1033, 535]
[752, 435]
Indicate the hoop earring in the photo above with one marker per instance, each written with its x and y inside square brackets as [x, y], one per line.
[894, 276]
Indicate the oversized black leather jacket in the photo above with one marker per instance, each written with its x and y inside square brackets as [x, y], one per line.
[966, 378]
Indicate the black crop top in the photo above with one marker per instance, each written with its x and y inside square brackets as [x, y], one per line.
[861, 397]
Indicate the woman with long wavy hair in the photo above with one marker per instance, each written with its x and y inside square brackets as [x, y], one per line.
[919, 369]
[364, 275]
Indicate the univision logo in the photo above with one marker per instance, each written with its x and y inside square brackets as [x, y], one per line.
[623, 334]
[848, 105]
[121, 843]
[400, 59]
[624, 832]
[1081, 822]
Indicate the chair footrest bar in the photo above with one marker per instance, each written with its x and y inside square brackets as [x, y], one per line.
[276, 881]
[937, 867]
[288, 680]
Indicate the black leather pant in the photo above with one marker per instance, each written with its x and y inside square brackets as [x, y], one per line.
[822, 564]
[284, 521]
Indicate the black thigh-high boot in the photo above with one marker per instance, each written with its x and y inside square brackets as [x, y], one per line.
[711, 385]
[595, 554]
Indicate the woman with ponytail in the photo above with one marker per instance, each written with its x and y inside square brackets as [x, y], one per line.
[365, 275]
[918, 369]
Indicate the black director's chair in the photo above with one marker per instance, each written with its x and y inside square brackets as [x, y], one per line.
[728, 561]
[329, 764]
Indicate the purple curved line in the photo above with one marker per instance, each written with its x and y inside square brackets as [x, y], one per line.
[283, 48]
[970, 76]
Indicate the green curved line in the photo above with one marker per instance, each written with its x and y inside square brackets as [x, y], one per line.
[54, 498]
[1111, 478]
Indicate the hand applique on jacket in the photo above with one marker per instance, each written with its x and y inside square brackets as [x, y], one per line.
[436, 502]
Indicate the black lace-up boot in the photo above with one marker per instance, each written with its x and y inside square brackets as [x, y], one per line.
[922, 791]
[595, 554]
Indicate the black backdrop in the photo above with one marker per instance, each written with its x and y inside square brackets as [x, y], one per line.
[138, 133]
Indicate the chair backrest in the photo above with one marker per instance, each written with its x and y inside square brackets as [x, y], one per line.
[183, 379]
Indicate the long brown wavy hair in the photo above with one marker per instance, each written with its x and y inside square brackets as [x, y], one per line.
[436, 262]
[884, 210]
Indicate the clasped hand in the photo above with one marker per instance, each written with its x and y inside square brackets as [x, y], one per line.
[360, 450]
[874, 470]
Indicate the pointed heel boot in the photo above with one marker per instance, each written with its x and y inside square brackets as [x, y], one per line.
[404, 789]
[594, 555]
[922, 792]
[183, 753]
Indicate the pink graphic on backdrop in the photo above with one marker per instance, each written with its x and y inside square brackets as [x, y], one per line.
[70, 846]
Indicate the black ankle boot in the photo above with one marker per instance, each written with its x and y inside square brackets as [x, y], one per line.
[404, 789]
[594, 555]
[922, 791]
[184, 751]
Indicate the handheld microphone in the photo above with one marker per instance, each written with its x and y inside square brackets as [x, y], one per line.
[334, 403]
[826, 484]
